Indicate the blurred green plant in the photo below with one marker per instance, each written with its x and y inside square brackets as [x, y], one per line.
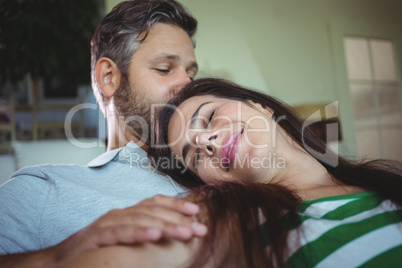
[47, 38]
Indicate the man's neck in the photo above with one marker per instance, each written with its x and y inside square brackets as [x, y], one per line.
[120, 134]
[116, 141]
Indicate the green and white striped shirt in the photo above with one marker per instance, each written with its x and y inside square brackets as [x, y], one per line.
[352, 230]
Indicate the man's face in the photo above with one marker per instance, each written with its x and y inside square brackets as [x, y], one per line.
[162, 65]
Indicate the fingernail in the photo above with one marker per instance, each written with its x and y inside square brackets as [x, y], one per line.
[191, 206]
[183, 230]
[199, 228]
[153, 233]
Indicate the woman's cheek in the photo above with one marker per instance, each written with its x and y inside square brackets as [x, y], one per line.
[205, 173]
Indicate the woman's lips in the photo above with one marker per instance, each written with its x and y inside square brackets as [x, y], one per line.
[230, 148]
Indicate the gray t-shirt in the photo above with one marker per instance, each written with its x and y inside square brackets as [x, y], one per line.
[42, 205]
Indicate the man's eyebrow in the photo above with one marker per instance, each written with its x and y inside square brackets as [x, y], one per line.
[192, 121]
[166, 57]
[175, 58]
[193, 65]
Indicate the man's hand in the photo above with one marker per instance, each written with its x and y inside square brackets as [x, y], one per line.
[150, 220]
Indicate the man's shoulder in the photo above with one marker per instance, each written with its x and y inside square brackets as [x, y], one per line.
[127, 167]
[48, 171]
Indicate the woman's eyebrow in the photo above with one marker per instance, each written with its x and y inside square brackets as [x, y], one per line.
[192, 121]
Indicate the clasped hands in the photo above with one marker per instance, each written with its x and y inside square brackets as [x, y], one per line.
[148, 221]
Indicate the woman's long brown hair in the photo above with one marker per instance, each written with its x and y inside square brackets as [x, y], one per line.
[239, 213]
[381, 176]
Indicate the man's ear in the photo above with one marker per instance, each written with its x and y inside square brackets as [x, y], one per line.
[107, 76]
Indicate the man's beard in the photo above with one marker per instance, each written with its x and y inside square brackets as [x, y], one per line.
[135, 108]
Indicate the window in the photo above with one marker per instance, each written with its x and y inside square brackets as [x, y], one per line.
[376, 97]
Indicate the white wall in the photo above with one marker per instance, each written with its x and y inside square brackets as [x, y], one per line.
[282, 47]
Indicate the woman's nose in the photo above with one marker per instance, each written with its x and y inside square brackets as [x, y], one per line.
[204, 140]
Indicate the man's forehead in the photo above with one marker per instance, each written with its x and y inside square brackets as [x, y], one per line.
[166, 42]
[165, 56]
[159, 32]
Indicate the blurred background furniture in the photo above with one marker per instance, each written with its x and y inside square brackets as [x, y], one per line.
[55, 126]
[7, 124]
[322, 118]
[59, 151]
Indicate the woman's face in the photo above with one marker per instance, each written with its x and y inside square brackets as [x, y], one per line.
[223, 139]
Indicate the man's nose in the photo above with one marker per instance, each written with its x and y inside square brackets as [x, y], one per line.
[182, 78]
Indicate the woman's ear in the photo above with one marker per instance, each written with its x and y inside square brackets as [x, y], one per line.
[107, 76]
[259, 107]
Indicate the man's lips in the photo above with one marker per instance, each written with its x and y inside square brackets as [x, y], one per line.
[230, 148]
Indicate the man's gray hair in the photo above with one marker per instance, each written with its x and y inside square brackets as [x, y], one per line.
[117, 36]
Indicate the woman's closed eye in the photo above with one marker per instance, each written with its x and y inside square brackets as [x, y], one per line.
[196, 158]
[209, 118]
